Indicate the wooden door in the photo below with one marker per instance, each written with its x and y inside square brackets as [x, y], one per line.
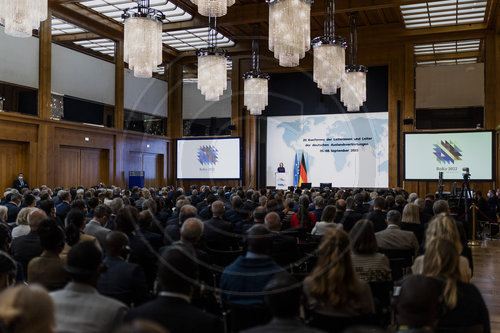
[68, 174]
[14, 158]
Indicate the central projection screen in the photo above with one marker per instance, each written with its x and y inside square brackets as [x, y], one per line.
[208, 158]
[347, 150]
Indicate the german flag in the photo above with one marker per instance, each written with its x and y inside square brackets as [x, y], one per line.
[303, 171]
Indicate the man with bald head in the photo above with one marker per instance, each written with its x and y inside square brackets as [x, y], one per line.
[218, 234]
[122, 280]
[27, 247]
[284, 249]
[340, 207]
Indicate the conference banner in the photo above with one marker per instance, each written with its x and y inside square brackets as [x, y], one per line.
[347, 150]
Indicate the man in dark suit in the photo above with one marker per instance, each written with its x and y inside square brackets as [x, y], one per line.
[122, 280]
[13, 207]
[393, 238]
[243, 281]
[20, 183]
[27, 247]
[218, 234]
[172, 308]
[429, 202]
[350, 216]
[377, 216]
[63, 208]
[318, 203]
[172, 231]
[283, 299]
[340, 206]
[284, 249]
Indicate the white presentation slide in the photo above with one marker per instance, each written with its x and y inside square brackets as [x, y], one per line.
[208, 159]
[426, 154]
[347, 150]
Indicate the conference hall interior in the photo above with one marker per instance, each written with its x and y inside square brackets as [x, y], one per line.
[218, 166]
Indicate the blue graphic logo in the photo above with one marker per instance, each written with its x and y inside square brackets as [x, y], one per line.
[208, 155]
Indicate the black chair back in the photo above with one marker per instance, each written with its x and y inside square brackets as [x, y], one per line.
[241, 317]
[400, 261]
[223, 258]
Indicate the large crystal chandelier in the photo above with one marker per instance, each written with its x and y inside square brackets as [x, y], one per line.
[353, 92]
[255, 85]
[329, 55]
[143, 40]
[212, 68]
[289, 30]
[213, 8]
[20, 17]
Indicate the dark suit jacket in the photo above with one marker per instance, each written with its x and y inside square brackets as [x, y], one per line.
[25, 248]
[378, 219]
[284, 249]
[121, 278]
[349, 219]
[12, 211]
[283, 325]
[17, 185]
[217, 234]
[177, 316]
[62, 210]
[338, 217]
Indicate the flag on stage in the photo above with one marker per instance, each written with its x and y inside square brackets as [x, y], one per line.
[303, 171]
[296, 171]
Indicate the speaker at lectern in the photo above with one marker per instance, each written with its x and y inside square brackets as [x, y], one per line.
[282, 180]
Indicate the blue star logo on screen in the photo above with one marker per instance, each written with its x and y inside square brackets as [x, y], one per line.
[208, 155]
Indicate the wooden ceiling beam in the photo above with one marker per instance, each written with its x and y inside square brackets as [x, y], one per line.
[75, 37]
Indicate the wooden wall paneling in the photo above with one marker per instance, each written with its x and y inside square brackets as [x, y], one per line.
[68, 167]
[214, 182]
[174, 120]
[94, 165]
[236, 97]
[45, 68]
[119, 161]
[14, 158]
[152, 169]
[250, 152]
[119, 85]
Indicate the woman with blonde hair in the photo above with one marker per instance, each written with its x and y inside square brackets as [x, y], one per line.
[333, 289]
[410, 221]
[3, 214]
[22, 222]
[464, 305]
[443, 226]
[26, 309]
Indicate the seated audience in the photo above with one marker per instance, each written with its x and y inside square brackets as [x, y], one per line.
[340, 207]
[411, 221]
[27, 247]
[443, 226]
[48, 268]
[172, 231]
[303, 219]
[26, 309]
[318, 203]
[172, 308]
[145, 224]
[8, 271]
[368, 264]
[284, 248]
[327, 220]
[251, 272]
[377, 215]
[79, 307]
[418, 304]
[13, 206]
[217, 233]
[465, 306]
[350, 215]
[75, 223]
[22, 227]
[122, 280]
[95, 227]
[333, 289]
[393, 238]
[64, 206]
[283, 298]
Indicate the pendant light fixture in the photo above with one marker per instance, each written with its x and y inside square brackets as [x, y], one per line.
[255, 84]
[329, 55]
[353, 92]
[20, 17]
[212, 67]
[289, 30]
[143, 38]
[213, 8]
